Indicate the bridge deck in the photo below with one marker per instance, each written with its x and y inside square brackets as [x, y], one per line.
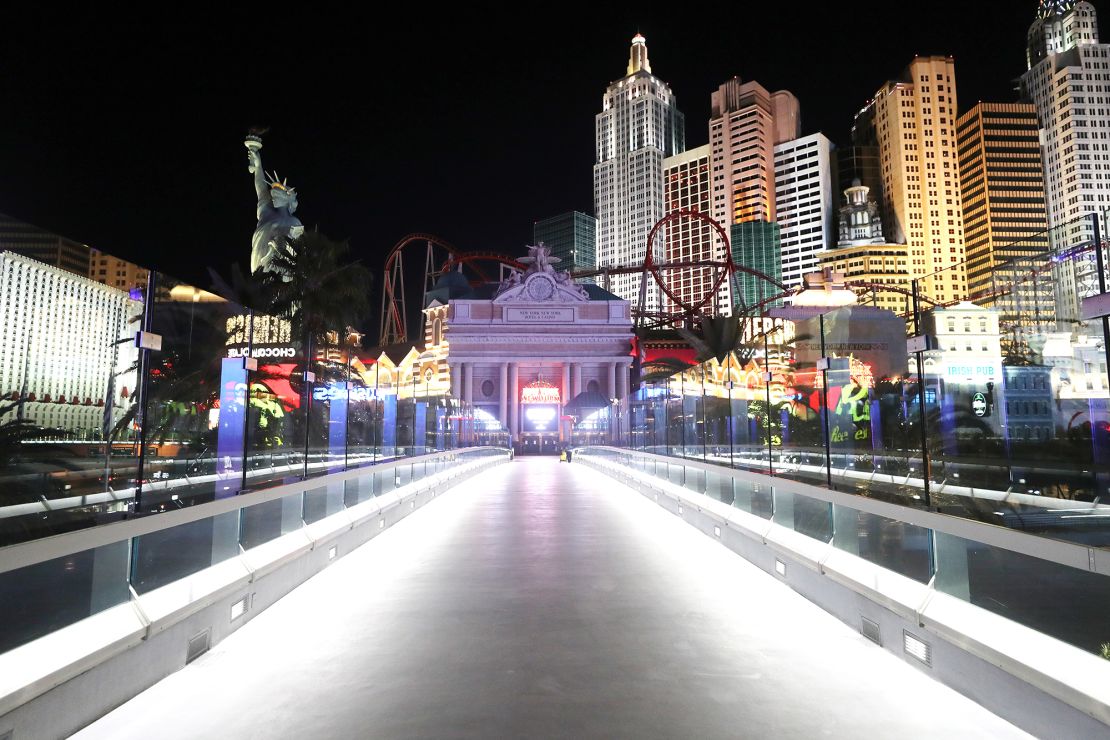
[545, 600]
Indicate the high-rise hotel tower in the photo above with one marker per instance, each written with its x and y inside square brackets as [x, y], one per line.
[913, 122]
[638, 127]
[1068, 82]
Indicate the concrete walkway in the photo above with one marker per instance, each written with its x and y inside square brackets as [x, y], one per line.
[544, 600]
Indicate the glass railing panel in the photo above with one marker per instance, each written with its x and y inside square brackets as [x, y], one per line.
[657, 418]
[363, 431]
[676, 473]
[384, 481]
[694, 480]
[403, 475]
[323, 502]
[70, 455]
[1017, 396]
[762, 500]
[168, 555]
[894, 545]
[804, 515]
[356, 490]
[42, 598]
[794, 397]
[279, 401]
[1066, 603]
[197, 394]
[271, 519]
[742, 494]
[720, 487]
[328, 410]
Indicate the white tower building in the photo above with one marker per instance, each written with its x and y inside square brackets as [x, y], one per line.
[804, 204]
[1068, 82]
[59, 346]
[638, 127]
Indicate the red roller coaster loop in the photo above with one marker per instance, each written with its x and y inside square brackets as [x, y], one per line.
[440, 257]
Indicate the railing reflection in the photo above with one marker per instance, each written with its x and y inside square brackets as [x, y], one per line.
[212, 400]
[995, 408]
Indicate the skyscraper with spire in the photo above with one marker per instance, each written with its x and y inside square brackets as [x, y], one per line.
[1068, 82]
[638, 127]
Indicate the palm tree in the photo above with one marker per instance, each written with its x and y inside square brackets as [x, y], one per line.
[317, 286]
[314, 286]
[14, 431]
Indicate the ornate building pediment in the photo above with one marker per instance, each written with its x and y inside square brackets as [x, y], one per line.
[541, 282]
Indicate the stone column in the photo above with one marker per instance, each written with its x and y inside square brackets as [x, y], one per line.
[611, 386]
[503, 406]
[576, 378]
[514, 400]
[565, 390]
[622, 381]
[468, 382]
[455, 370]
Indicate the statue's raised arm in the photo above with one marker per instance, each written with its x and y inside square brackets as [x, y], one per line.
[254, 166]
[277, 226]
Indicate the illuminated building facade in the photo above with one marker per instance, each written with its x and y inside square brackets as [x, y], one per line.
[1068, 83]
[537, 354]
[638, 127]
[804, 203]
[965, 365]
[745, 125]
[863, 256]
[1003, 200]
[58, 346]
[913, 123]
[572, 237]
[874, 265]
[109, 270]
[756, 244]
[687, 187]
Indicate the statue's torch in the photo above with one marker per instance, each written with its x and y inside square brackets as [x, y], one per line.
[253, 144]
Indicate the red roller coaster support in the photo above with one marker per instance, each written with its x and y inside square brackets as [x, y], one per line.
[439, 257]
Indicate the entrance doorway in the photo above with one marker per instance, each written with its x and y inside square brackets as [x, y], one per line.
[539, 444]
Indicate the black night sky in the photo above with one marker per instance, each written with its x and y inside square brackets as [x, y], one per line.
[125, 131]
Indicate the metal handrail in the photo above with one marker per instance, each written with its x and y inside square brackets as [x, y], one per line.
[1092, 559]
[23, 554]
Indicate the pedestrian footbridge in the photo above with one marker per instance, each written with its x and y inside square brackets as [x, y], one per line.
[621, 595]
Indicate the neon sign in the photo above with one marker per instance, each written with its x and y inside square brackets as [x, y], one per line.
[540, 392]
[263, 352]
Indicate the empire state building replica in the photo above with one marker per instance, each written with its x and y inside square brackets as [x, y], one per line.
[639, 125]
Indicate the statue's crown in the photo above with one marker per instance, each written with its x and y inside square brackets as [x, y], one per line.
[279, 184]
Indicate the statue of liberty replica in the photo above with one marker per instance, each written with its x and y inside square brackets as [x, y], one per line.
[277, 202]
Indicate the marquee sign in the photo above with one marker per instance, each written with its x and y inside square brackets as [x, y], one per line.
[540, 392]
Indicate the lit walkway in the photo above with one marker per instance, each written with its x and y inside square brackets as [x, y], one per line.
[544, 600]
